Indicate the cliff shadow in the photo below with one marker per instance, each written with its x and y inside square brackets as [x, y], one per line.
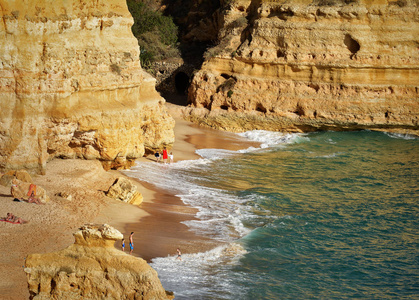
[173, 81]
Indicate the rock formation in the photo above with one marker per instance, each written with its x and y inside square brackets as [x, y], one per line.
[20, 190]
[92, 268]
[309, 65]
[71, 86]
[20, 183]
[21, 175]
[123, 189]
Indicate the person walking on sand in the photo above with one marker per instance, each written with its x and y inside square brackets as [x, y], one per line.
[171, 158]
[123, 245]
[165, 155]
[179, 254]
[131, 243]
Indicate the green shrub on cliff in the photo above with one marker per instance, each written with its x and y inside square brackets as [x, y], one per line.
[156, 33]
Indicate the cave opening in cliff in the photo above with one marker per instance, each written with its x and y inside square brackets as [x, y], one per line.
[351, 44]
[181, 83]
[177, 91]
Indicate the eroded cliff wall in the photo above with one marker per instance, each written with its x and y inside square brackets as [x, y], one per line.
[308, 65]
[71, 85]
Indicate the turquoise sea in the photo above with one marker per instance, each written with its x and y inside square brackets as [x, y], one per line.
[327, 215]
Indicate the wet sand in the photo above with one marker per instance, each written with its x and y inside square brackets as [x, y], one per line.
[161, 231]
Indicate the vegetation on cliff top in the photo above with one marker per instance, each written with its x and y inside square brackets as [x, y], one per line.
[157, 34]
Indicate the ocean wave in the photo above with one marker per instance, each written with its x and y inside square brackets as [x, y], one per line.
[188, 277]
[220, 214]
[273, 138]
[215, 154]
[401, 136]
[332, 155]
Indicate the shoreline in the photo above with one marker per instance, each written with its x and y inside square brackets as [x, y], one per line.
[157, 221]
[160, 232]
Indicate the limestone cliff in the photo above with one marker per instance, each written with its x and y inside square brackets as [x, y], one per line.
[92, 268]
[307, 65]
[71, 85]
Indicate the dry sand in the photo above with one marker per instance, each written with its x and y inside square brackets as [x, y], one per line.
[156, 223]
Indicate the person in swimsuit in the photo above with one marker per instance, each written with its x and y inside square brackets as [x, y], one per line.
[12, 218]
[32, 199]
[131, 243]
[179, 254]
[123, 244]
[171, 158]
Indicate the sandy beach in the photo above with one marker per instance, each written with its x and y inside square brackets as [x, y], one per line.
[156, 222]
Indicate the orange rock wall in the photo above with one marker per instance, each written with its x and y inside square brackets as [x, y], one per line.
[308, 65]
[71, 85]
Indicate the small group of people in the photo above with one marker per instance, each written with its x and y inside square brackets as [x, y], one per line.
[14, 219]
[165, 156]
[131, 243]
[131, 246]
[31, 194]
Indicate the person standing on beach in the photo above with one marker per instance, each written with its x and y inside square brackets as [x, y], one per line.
[157, 156]
[165, 155]
[171, 157]
[131, 243]
[123, 244]
[179, 254]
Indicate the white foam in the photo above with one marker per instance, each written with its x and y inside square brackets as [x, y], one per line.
[220, 213]
[273, 138]
[215, 154]
[332, 155]
[194, 274]
[401, 136]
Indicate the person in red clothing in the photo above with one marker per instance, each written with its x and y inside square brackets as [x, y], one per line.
[165, 156]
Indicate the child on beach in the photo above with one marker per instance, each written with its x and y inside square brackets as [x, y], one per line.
[171, 157]
[123, 244]
[179, 254]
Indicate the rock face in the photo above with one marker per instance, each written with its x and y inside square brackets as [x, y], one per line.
[92, 268]
[21, 175]
[123, 189]
[71, 86]
[309, 65]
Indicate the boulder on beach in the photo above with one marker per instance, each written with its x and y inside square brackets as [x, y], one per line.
[21, 175]
[65, 195]
[20, 190]
[92, 268]
[123, 189]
